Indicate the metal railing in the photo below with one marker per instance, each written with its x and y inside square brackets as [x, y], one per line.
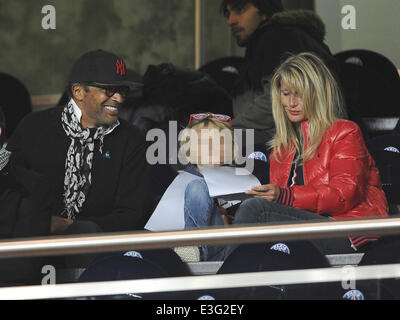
[209, 282]
[242, 234]
[212, 236]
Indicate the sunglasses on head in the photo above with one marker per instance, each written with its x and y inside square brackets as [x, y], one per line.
[202, 116]
[112, 90]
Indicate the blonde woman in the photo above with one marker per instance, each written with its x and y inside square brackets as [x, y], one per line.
[320, 168]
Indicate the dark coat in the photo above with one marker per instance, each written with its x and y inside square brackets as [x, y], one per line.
[172, 93]
[285, 33]
[120, 176]
[25, 202]
[288, 32]
[25, 211]
[385, 150]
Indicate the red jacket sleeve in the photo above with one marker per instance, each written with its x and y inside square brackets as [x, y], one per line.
[347, 175]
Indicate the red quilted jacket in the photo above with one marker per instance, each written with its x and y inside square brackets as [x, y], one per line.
[341, 180]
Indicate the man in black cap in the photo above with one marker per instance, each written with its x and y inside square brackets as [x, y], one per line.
[268, 33]
[95, 161]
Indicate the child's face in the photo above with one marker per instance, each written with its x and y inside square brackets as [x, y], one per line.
[211, 147]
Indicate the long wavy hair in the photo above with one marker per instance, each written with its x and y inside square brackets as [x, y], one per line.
[306, 74]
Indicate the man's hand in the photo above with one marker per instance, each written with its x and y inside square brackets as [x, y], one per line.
[270, 192]
[59, 224]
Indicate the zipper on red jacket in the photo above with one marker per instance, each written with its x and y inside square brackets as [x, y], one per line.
[304, 124]
[290, 169]
[304, 165]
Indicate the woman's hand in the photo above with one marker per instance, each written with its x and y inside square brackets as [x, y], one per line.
[270, 192]
[226, 218]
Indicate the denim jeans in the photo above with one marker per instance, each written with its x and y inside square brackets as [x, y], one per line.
[260, 211]
[202, 212]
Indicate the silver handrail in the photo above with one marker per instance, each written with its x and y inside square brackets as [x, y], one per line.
[224, 281]
[150, 240]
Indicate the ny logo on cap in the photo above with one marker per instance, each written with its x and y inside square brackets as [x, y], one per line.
[120, 67]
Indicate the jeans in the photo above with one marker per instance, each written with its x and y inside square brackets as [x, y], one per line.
[201, 212]
[260, 211]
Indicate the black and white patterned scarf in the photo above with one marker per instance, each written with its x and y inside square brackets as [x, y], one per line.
[79, 161]
[4, 157]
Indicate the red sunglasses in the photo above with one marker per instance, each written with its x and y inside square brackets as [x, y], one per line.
[202, 116]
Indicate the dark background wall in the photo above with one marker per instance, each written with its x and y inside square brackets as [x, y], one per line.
[143, 32]
[140, 31]
[294, 4]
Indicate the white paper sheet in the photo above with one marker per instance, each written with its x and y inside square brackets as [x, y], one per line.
[223, 181]
[169, 214]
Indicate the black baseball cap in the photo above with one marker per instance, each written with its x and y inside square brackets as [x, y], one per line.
[101, 68]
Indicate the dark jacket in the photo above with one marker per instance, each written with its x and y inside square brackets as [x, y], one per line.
[286, 32]
[172, 93]
[25, 211]
[120, 176]
[25, 203]
[385, 150]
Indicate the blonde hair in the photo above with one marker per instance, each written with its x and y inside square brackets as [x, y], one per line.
[311, 79]
[209, 123]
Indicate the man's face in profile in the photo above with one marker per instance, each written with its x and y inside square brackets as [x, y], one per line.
[243, 21]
